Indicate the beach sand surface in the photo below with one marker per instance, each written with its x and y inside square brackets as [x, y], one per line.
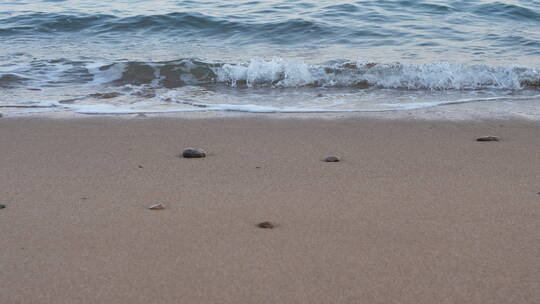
[415, 212]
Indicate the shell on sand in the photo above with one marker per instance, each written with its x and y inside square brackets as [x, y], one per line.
[158, 206]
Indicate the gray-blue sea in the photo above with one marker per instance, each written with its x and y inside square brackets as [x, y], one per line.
[147, 56]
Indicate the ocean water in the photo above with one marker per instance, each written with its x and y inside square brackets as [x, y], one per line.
[145, 56]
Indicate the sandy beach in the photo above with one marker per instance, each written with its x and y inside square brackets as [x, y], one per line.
[415, 211]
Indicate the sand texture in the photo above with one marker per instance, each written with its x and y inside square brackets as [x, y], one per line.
[415, 212]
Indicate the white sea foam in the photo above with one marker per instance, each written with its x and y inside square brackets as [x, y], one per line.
[103, 74]
[434, 76]
[274, 85]
[278, 72]
[148, 107]
[506, 106]
[282, 73]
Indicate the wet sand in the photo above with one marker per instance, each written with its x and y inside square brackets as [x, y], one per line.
[416, 211]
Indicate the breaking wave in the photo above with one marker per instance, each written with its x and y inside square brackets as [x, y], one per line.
[275, 73]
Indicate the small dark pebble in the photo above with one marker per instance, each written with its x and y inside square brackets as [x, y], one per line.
[320, 95]
[487, 138]
[193, 153]
[265, 225]
[331, 159]
[257, 167]
[2, 206]
[84, 198]
[538, 193]
[140, 166]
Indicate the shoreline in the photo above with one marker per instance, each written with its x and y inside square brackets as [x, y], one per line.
[416, 211]
[526, 110]
[427, 116]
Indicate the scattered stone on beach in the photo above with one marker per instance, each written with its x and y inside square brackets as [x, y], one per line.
[141, 115]
[158, 206]
[257, 167]
[488, 138]
[2, 206]
[331, 159]
[1, 115]
[193, 153]
[320, 95]
[266, 225]
[140, 166]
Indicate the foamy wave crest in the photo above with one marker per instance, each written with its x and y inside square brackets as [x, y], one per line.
[451, 76]
[273, 73]
[438, 76]
[282, 73]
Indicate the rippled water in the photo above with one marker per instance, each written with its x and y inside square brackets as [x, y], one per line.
[266, 56]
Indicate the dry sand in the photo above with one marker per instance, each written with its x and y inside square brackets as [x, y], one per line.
[416, 212]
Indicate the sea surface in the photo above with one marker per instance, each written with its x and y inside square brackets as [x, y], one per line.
[125, 57]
